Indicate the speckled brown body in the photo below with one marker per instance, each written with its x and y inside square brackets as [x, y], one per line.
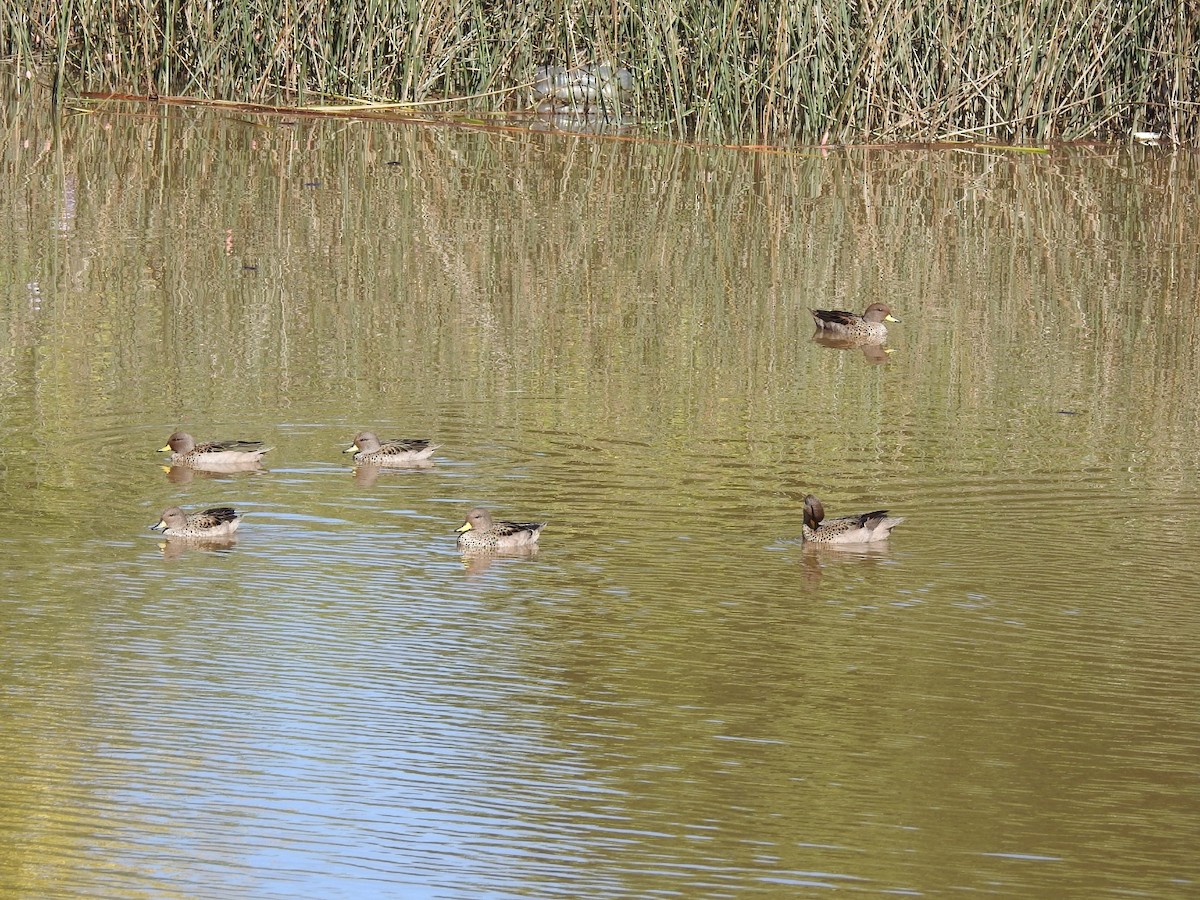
[482, 532]
[861, 529]
[213, 454]
[369, 450]
[215, 522]
[868, 325]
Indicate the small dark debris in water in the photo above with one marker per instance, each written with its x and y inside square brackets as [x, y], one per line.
[312, 184]
[247, 267]
[1067, 412]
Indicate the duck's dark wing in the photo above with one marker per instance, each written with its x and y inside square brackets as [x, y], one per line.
[397, 447]
[835, 316]
[864, 520]
[871, 519]
[222, 446]
[211, 518]
[506, 529]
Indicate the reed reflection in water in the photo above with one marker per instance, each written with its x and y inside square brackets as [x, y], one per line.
[673, 695]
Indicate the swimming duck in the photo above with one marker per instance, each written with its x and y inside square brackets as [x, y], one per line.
[369, 450]
[868, 325]
[861, 529]
[213, 454]
[481, 532]
[216, 522]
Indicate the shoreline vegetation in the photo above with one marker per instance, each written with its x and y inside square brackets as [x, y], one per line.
[1019, 71]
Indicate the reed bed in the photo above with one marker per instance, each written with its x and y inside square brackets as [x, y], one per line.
[832, 71]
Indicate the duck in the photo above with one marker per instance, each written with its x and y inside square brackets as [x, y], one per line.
[481, 532]
[215, 455]
[868, 325]
[369, 450]
[861, 529]
[215, 522]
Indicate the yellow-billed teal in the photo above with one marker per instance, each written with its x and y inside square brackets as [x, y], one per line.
[213, 454]
[481, 532]
[217, 522]
[861, 529]
[868, 325]
[369, 450]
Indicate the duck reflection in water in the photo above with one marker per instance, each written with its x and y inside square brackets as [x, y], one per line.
[179, 549]
[366, 476]
[827, 558]
[187, 474]
[874, 350]
[476, 562]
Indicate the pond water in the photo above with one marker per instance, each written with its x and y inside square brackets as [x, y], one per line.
[674, 697]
